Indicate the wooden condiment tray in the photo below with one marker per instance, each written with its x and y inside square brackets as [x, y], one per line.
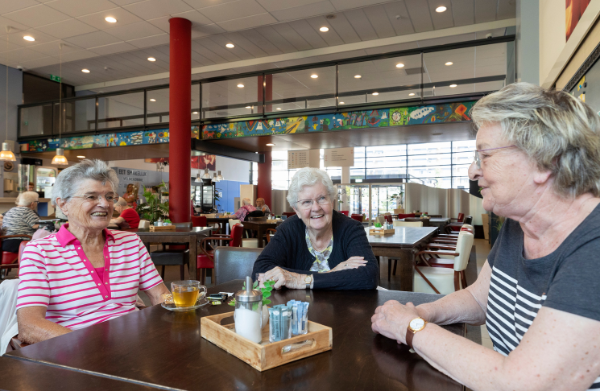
[265, 355]
[381, 231]
[154, 228]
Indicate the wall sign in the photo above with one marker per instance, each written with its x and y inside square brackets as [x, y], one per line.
[339, 157]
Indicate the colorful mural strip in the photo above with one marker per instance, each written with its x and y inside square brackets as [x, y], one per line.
[401, 116]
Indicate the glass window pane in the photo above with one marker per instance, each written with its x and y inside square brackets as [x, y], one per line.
[279, 155]
[359, 152]
[386, 150]
[461, 183]
[429, 160]
[429, 148]
[399, 161]
[359, 163]
[279, 175]
[357, 173]
[279, 165]
[231, 97]
[280, 185]
[462, 146]
[36, 121]
[385, 173]
[429, 172]
[158, 106]
[299, 90]
[463, 158]
[124, 110]
[461, 170]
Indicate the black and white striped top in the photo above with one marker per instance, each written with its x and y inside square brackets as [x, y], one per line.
[20, 221]
[565, 280]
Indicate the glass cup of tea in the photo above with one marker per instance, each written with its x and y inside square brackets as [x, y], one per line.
[186, 293]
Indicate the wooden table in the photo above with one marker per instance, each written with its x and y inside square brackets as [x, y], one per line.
[439, 222]
[260, 227]
[401, 246]
[191, 236]
[165, 349]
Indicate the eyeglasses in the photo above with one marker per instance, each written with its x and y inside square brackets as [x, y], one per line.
[110, 198]
[307, 204]
[477, 159]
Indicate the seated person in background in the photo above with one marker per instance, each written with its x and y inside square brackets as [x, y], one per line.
[243, 211]
[128, 217]
[260, 205]
[84, 274]
[318, 248]
[30, 186]
[21, 220]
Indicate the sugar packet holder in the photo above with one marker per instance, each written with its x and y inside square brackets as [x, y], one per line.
[299, 316]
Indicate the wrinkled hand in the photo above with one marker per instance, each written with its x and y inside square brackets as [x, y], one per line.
[285, 278]
[351, 263]
[391, 320]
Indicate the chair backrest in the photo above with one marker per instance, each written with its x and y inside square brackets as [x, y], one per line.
[467, 227]
[344, 212]
[199, 221]
[388, 218]
[405, 215]
[183, 225]
[237, 230]
[461, 217]
[21, 248]
[357, 217]
[469, 220]
[463, 248]
[233, 222]
[234, 263]
[408, 223]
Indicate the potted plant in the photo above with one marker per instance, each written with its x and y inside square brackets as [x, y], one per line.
[153, 209]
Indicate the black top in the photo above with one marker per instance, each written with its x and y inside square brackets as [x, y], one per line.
[288, 250]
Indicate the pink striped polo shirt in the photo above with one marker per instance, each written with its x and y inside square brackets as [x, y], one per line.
[55, 273]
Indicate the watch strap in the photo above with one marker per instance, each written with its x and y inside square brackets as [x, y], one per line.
[409, 337]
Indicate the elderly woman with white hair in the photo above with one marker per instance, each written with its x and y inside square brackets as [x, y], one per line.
[244, 210]
[318, 248]
[21, 220]
[84, 274]
[538, 164]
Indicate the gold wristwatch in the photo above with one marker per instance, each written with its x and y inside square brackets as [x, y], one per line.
[415, 325]
[308, 280]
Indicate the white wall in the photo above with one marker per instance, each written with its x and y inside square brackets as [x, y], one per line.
[445, 202]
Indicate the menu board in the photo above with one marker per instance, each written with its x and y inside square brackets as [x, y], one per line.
[339, 157]
[303, 158]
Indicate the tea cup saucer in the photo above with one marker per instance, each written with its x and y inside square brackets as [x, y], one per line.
[202, 301]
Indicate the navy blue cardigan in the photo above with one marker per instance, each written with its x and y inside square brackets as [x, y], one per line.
[288, 250]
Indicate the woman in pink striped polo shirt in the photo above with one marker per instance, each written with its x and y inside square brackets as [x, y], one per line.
[84, 274]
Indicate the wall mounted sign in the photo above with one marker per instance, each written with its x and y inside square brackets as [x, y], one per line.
[339, 157]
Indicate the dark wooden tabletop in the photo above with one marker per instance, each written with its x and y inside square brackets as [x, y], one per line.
[177, 232]
[21, 375]
[253, 224]
[165, 348]
[404, 237]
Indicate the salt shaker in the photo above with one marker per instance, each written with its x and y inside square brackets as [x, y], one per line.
[248, 313]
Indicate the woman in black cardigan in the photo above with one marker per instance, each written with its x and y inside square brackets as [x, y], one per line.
[318, 248]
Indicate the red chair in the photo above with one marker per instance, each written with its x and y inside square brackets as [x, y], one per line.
[199, 221]
[405, 215]
[11, 260]
[460, 219]
[206, 260]
[388, 218]
[344, 212]
[357, 217]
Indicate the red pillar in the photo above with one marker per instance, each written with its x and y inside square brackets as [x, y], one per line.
[180, 122]
[263, 190]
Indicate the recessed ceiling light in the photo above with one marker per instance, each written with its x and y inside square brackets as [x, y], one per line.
[453, 85]
[81, 157]
[411, 94]
[399, 65]
[240, 85]
[151, 59]
[110, 19]
[230, 45]
[441, 8]
[84, 70]
[270, 145]
[375, 93]
[341, 103]
[314, 75]
[324, 29]
[29, 38]
[195, 112]
[152, 100]
[279, 108]
[248, 107]
[357, 76]
[449, 63]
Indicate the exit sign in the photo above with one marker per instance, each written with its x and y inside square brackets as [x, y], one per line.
[55, 78]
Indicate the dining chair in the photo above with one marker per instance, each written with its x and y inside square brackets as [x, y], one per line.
[448, 279]
[417, 224]
[174, 254]
[405, 215]
[9, 260]
[344, 212]
[357, 217]
[199, 221]
[233, 263]
[388, 218]
[455, 227]
[206, 260]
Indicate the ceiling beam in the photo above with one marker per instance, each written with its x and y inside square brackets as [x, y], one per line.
[315, 52]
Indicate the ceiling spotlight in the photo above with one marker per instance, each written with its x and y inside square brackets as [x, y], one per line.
[84, 70]
[411, 94]
[314, 75]
[441, 8]
[375, 93]
[81, 157]
[240, 85]
[110, 19]
[449, 63]
[324, 29]
[29, 38]
[248, 107]
[279, 108]
[195, 112]
[152, 100]
[151, 59]
[357, 76]
[341, 103]
[453, 85]
[270, 145]
[399, 65]
[230, 45]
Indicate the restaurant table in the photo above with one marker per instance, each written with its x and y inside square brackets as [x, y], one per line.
[439, 222]
[191, 236]
[17, 375]
[165, 349]
[402, 245]
[260, 227]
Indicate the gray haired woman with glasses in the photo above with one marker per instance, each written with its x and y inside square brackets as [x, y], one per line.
[318, 248]
[84, 274]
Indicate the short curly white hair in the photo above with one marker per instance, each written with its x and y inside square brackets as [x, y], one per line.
[69, 179]
[309, 176]
[26, 198]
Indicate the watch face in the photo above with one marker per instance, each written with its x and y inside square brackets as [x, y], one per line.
[417, 324]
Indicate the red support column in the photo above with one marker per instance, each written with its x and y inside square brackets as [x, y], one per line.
[180, 121]
[263, 190]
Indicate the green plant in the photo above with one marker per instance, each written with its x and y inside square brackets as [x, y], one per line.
[266, 292]
[153, 209]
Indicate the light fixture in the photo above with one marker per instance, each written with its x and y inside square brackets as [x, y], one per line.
[84, 70]
[248, 107]
[279, 108]
[29, 38]
[220, 177]
[324, 29]
[240, 85]
[449, 63]
[314, 76]
[214, 178]
[453, 85]
[195, 112]
[6, 154]
[399, 65]
[151, 59]
[206, 174]
[152, 100]
[441, 8]
[411, 94]
[110, 19]
[357, 76]
[341, 103]
[81, 157]
[60, 159]
[375, 93]
[270, 145]
[230, 45]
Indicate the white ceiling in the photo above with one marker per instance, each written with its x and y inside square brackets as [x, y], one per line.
[258, 28]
